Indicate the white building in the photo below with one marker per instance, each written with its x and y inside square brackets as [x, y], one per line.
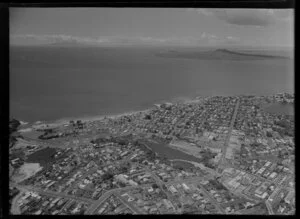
[172, 189]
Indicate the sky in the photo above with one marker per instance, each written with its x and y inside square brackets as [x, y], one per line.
[153, 26]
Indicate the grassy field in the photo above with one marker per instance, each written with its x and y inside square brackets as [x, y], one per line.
[42, 157]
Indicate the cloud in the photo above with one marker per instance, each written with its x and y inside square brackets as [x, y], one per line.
[204, 39]
[205, 35]
[249, 17]
[104, 40]
[204, 11]
[54, 38]
[60, 38]
[231, 39]
[136, 40]
[213, 39]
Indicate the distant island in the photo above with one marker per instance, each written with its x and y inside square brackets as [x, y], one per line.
[223, 54]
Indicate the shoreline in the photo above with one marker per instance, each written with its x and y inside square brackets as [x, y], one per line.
[99, 117]
[88, 119]
[93, 118]
[66, 120]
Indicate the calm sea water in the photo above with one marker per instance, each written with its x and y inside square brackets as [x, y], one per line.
[54, 83]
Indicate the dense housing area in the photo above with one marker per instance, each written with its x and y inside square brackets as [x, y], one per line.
[214, 155]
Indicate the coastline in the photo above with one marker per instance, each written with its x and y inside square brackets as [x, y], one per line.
[88, 119]
[94, 118]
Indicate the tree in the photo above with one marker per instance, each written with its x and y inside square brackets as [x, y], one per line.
[48, 131]
[164, 158]
[13, 125]
[289, 132]
[155, 186]
[217, 185]
[269, 134]
[282, 123]
[148, 117]
[136, 143]
[124, 169]
[107, 176]
[122, 184]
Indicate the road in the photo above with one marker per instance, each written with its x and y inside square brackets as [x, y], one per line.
[75, 184]
[94, 204]
[116, 192]
[160, 183]
[269, 206]
[38, 141]
[191, 180]
[200, 165]
[15, 208]
[216, 204]
[97, 203]
[51, 193]
[224, 148]
[196, 179]
[129, 205]
[257, 176]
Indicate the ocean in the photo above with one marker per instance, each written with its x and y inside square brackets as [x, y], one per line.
[51, 83]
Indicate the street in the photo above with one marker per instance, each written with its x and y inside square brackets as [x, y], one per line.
[224, 148]
[97, 203]
[269, 206]
[55, 194]
[129, 205]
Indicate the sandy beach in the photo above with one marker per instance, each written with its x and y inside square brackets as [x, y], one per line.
[25, 127]
[65, 121]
